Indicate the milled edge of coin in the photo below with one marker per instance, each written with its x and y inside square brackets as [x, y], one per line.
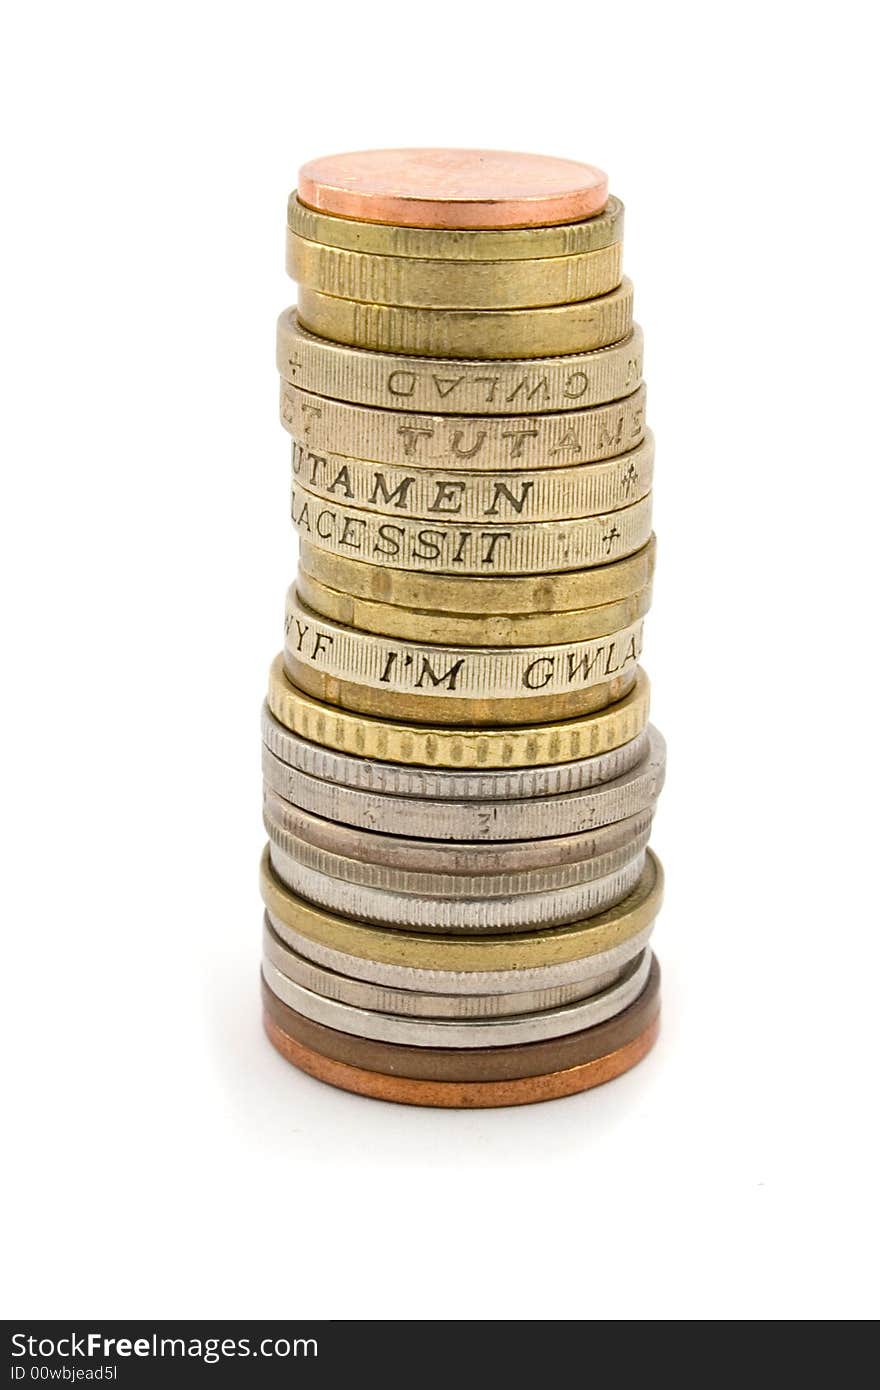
[367, 873]
[435, 243]
[445, 672]
[415, 439]
[580, 971]
[451, 747]
[369, 774]
[504, 550]
[510, 818]
[552, 594]
[516, 860]
[509, 1031]
[463, 630]
[556, 331]
[512, 497]
[456, 917]
[459, 386]
[509, 952]
[409, 282]
[412, 1003]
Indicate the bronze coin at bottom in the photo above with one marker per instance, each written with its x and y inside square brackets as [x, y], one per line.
[456, 1066]
[466, 1095]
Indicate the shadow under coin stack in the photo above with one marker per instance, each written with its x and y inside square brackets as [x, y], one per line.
[460, 776]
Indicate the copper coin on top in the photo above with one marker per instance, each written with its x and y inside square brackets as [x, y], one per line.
[474, 189]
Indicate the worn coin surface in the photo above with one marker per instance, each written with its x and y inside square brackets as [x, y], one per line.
[511, 818]
[510, 951]
[429, 243]
[412, 1003]
[453, 188]
[480, 594]
[485, 673]
[458, 916]
[472, 1063]
[436, 546]
[436, 746]
[486, 333]
[471, 1032]
[472, 630]
[453, 1095]
[516, 495]
[393, 779]
[445, 284]
[480, 443]
[455, 386]
[499, 866]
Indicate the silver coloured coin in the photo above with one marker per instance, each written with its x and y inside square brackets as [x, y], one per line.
[511, 819]
[462, 981]
[498, 1032]
[393, 779]
[494, 862]
[462, 916]
[390, 877]
[413, 1004]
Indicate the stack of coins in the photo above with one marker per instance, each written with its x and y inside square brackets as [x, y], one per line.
[460, 777]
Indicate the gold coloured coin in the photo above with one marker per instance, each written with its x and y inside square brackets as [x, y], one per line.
[393, 741]
[406, 439]
[517, 495]
[480, 630]
[448, 547]
[439, 284]
[434, 243]
[435, 709]
[486, 333]
[445, 672]
[455, 386]
[478, 595]
[424, 951]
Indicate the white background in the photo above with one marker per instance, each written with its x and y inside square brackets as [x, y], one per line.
[161, 1159]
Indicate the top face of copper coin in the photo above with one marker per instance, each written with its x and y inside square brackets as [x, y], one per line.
[472, 189]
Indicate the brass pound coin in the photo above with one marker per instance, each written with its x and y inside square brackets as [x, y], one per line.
[484, 333]
[444, 284]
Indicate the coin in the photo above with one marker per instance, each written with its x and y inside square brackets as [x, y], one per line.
[487, 630]
[288, 852]
[412, 440]
[512, 952]
[587, 972]
[410, 1003]
[453, 188]
[479, 673]
[499, 866]
[506, 1031]
[488, 785]
[436, 746]
[459, 387]
[445, 284]
[567, 813]
[472, 1063]
[457, 916]
[515, 495]
[480, 594]
[459, 710]
[485, 333]
[428, 243]
[481, 548]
